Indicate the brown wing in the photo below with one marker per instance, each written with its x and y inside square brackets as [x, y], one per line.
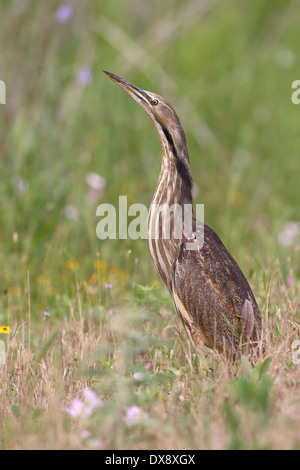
[214, 297]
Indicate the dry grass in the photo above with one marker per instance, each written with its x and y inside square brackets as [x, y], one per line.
[192, 401]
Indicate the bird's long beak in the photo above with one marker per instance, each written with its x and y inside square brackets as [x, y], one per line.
[139, 95]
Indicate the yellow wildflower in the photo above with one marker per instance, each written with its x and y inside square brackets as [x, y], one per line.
[5, 329]
[15, 290]
[45, 280]
[93, 279]
[49, 290]
[71, 265]
[236, 198]
[123, 275]
[100, 265]
[45, 283]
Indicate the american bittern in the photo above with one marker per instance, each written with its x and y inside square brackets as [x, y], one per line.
[210, 293]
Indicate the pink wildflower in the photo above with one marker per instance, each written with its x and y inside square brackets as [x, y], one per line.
[64, 13]
[134, 415]
[84, 408]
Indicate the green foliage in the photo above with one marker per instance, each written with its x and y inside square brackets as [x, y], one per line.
[251, 401]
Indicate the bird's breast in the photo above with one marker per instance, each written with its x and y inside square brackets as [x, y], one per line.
[164, 241]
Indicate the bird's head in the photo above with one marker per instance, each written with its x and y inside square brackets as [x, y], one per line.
[165, 119]
[159, 110]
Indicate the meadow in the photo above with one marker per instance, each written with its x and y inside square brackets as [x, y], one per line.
[92, 353]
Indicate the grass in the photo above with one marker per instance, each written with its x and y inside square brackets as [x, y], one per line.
[228, 70]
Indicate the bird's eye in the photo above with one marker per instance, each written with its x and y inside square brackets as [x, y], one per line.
[154, 102]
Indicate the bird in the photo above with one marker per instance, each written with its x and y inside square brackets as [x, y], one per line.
[210, 293]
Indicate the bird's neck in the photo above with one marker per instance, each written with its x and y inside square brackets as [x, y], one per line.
[175, 183]
[165, 224]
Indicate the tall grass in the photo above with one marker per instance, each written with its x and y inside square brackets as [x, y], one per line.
[90, 314]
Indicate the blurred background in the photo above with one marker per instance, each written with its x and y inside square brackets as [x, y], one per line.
[71, 140]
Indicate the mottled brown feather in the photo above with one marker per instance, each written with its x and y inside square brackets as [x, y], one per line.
[218, 297]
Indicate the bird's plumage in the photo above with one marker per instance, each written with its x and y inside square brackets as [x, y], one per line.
[221, 307]
[210, 293]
